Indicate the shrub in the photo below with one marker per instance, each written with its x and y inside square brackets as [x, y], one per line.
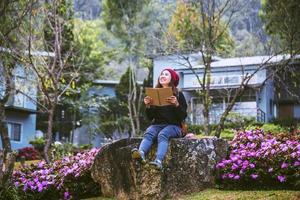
[272, 128]
[287, 122]
[67, 178]
[228, 133]
[29, 153]
[38, 144]
[238, 121]
[263, 158]
[60, 150]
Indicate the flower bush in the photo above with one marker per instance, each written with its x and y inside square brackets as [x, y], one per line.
[29, 153]
[263, 158]
[66, 178]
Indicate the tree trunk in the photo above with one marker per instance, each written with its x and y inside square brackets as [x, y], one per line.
[48, 140]
[133, 131]
[7, 159]
[220, 126]
[206, 96]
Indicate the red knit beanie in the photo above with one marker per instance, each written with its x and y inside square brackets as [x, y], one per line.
[174, 76]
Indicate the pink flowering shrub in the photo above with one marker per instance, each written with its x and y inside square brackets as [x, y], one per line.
[263, 158]
[64, 179]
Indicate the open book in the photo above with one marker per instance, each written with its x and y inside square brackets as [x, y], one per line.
[159, 95]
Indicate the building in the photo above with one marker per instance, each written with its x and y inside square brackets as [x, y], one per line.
[20, 108]
[258, 101]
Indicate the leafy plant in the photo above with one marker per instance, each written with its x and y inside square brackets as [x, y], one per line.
[263, 158]
[60, 150]
[38, 143]
[66, 178]
[9, 192]
[29, 153]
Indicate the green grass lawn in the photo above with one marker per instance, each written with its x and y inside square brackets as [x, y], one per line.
[28, 162]
[215, 194]
[243, 194]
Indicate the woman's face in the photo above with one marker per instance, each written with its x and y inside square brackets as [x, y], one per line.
[165, 78]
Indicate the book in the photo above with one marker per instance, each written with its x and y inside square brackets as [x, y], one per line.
[159, 95]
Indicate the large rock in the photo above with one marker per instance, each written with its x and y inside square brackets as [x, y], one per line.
[188, 167]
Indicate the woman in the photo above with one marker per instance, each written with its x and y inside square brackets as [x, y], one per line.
[166, 120]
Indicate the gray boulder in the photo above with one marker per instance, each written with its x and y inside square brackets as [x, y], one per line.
[189, 166]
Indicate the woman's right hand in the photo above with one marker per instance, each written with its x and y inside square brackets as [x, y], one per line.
[147, 100]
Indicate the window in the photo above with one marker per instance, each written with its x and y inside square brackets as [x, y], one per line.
[231, 80]
[14, 131]
[271, 106]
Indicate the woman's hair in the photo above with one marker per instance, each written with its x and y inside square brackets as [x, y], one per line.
[171, 84]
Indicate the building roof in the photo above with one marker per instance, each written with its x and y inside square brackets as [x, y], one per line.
[106, 82]
[111, 82]
[248, 61]
[33, 53]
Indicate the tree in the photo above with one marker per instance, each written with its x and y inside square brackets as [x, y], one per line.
[56, 72]
[13, 17]
[207, 18]
[281, 20]
[123, 19]
[197, 26]
[92, 52]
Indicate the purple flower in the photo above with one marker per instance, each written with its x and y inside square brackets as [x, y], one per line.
[251, 165]
[254, 176]
[237, 177]
[230, 175]
[224, 176]
[281, 178]
[67, 195]
[234, 166]
[297, 163]
[284, 165]
[273, 151]
[270, 169]
[220, 165]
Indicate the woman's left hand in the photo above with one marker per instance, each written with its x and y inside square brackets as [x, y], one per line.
[173, 100]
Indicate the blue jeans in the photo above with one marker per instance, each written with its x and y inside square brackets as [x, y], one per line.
[162, 133]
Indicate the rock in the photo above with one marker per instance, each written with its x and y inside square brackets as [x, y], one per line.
[188, 167]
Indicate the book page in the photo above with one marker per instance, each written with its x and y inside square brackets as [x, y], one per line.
[153, 93]
[163, 94]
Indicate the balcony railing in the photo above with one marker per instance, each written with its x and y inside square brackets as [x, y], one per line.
[215, 115]
[261, 115]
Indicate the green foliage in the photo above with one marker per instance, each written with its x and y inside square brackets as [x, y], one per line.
[113, 116]
[193, 29]
[287, 122]
[63, 9]
[121, 16]
[38, 143]
[272, 128]
[228, 133]
[9, 192]
[281, 20]
[238, 121]
[90, 43]
[59, 150]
